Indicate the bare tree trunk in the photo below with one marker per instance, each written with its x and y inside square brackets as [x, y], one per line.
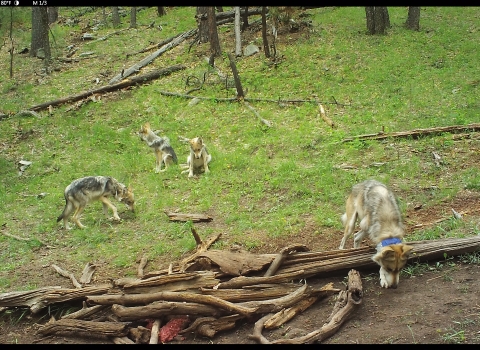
[40, 32]
[202, 24]
[161, 11]
[377, 19]
[413, 19]
[264, 33]
[212, 32]
[115, 17]
[104, 16]
[245, 19]
[238, 39]
[133, 17]
[52, 14]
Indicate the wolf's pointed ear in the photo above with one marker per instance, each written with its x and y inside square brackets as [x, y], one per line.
[406, 250]
[130, 188]
[387, 253]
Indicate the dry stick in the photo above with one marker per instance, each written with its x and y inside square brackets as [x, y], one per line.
[248, 99]
[324, 116]
[264, 121]
[122, 340]
[416, 132]
[67, 274]
[136, 67]
[154, 334]
[141, 79]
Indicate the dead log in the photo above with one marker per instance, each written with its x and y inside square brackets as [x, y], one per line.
[86, 328]
[141, 79]
[141, 299]
[346, 303]
[282, 256]
[242, 281]
[42, 297]
[416, 133]
[256, 292]
[209, 326]
[362, 257]
[147, 60]
[173, 282]
[188, 217]
[159, 309]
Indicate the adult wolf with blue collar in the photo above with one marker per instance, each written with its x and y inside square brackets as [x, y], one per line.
[376, 207]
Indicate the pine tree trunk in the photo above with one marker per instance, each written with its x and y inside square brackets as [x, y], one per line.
[238, 38]
[264, 33]
[202, 24]
[115, 17]
[413, 19]
[40, 32]
[133, 17]
[245, 19]
[212, 32]
[378, 19]
[161, 11]
[52, 14]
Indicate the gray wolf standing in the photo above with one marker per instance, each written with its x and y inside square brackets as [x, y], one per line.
[376, 208]
[199, 157]
[94, 188]
[164, 152]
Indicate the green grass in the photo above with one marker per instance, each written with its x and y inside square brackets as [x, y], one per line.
[264, 182]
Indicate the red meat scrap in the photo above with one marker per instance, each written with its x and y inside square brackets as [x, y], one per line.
[171, 329]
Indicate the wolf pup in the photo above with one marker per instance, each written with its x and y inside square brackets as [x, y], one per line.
[92, 188]
[199, 157]
[164, 152]
[376, 208]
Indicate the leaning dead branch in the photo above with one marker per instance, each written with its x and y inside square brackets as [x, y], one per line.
[138, 80]
[147, 60]
[416, 133]
[67, 274]
[85, 311]
[263, 120]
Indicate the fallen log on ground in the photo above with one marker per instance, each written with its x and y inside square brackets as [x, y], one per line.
[39, 298]
[188, 217]
[416, 133]
[141, 79]
[74, 327]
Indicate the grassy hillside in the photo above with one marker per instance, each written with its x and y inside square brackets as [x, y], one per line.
[267, 186]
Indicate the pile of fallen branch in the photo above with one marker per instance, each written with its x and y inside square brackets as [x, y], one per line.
[211, 290]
